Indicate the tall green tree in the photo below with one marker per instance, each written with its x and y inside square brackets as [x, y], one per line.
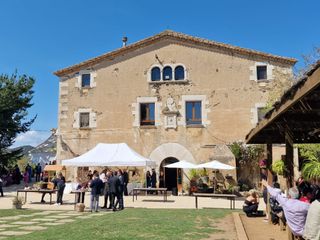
[15, 98]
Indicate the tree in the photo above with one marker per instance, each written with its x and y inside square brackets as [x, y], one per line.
[15, 98]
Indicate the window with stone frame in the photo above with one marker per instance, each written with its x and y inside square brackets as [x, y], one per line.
[84, 119]
[261, 111]
[147, 114]
[167, 73]
[155, 74]
[179, 73]
[262, 73]
[85, 80]
[193, 113]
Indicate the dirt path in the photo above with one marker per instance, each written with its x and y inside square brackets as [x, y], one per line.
[257, 229]
[226, 228]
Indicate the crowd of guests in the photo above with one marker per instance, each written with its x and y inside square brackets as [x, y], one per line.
[112, 185]
[299, 208]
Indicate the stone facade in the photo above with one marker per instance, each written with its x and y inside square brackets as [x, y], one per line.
[222, 80]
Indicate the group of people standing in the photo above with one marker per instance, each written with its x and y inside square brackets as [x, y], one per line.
[151, 179]
[110, 184]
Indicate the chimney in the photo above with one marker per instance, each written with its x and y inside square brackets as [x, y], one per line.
[124, 41]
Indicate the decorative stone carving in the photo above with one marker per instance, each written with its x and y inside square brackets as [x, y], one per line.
[171, 112]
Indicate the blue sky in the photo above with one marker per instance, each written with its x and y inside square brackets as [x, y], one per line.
[38, 37]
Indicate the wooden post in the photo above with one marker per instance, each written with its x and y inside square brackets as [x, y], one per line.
[270, 178]
[289, 160]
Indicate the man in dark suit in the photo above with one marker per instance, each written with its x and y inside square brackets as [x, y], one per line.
[120, 191]
[125, 182]
[154, 180]
[114, 184]
[97, 187]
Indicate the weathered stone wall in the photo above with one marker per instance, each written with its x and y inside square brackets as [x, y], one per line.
[223, 79]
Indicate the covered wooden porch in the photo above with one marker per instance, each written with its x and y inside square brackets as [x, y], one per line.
[294, 119]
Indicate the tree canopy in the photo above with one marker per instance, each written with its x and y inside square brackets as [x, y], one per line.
[15, 99]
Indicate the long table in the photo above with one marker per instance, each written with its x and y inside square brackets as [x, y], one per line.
[230, 197]
[26, 191]
[136, 190]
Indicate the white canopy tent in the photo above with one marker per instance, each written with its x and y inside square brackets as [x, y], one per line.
[181, 164]
[111, 155]
[215, 164]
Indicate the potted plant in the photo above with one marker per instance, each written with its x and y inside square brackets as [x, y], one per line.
[279, 167]
[17, 202]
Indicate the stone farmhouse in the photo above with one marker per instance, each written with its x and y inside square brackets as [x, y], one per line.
[170, 97]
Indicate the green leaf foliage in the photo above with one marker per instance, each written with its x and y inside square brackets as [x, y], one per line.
[15, 99]
[279, 167]
[311, 156]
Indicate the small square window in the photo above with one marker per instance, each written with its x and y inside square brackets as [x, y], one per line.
[261, 72]
[193, 113]
[85, 80]
[84, 120]
[261, 111]
[147, 114]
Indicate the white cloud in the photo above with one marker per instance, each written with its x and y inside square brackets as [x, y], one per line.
[31, 137]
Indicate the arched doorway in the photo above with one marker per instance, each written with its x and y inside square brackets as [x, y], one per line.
[170, 174]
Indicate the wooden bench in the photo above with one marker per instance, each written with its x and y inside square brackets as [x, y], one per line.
[136, 190]
[230, 197]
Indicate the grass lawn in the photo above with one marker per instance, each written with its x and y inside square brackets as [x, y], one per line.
[135, 224]
[14, 212]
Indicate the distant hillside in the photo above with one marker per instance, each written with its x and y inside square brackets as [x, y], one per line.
[44, 152]
[25, 149]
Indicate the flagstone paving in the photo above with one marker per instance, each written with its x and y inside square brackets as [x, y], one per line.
[11, 218]
[57, 217]
[44, 219]
[5, 225]
[33, 228]
[14, 233]
[65, 220]
[51, 224]
[39, 221]
[25, 223]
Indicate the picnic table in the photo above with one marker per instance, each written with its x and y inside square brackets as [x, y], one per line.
[26, 191]
[230, 197]
[136, 190]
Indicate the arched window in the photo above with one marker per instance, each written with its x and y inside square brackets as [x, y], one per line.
[179, 73]
[167, 73]
[155, 74]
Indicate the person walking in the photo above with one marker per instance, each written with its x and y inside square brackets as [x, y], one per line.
[96, 186]
[114, 183]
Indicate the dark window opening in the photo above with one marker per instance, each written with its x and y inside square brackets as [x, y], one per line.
[84, 120]
[155, 74]
[167, 73]
[147, 114]
[193, 112]
[179, 73]
[85, 80]
[261, 72]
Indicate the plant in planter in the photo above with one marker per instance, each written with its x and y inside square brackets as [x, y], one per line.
[17, 202]
[279, 167]
[311, 170]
